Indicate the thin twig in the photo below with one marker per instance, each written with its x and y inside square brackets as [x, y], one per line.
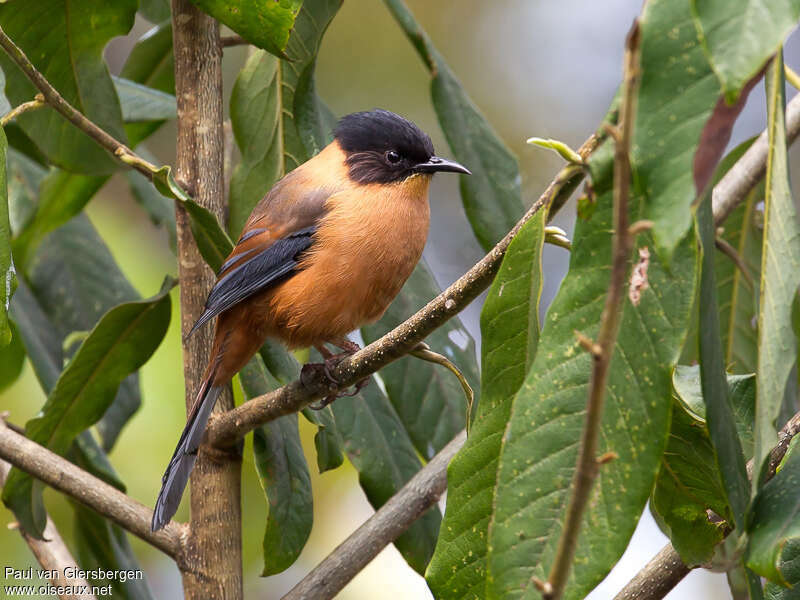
[104, 499]
[587, 465]
[733, 188]
[37, 102]
[225, 429]
[53, 555]
[57, 101]
[729, 251]
[422, 491]
[791, 76]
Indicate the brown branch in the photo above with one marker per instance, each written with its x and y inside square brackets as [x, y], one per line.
[587, 464]
[57, 101]
[420, 493]
[104, 499]
[733, 188]
[52, 553]
[214, 545]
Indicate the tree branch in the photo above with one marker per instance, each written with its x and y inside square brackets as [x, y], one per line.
[37, 102]
[733, 188]
[52, 553]
[57, 101]
[87, 489]
[420, 493]
[225, 429]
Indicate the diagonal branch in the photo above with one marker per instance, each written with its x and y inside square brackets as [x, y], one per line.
[87, 489]
[52, 553]
[390, 521]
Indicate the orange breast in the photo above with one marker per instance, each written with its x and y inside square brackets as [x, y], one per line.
[366, 247]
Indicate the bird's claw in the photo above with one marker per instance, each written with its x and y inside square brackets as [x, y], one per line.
[327, 367]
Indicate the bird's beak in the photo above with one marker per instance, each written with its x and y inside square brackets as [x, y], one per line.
[437, 163]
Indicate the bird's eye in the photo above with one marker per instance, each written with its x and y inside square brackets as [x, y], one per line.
[393, 157]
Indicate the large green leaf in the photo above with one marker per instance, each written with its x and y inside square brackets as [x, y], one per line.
[283, 472]
[263, 24]
[540, 444]
[150, 63]
[7, 272]
[24, 177]
[677, 95]
[780, 276]
[142, 103]
[119, 344]
[270, 101]
[689, 483]
[775, 519]
[382, 453]
[491, 195]
[65, 41]
[715, 393]
[75, 280]
[428, 399]
[739, 36]
[790, 570]
[62, 195]
[510, 333]
[155, 11]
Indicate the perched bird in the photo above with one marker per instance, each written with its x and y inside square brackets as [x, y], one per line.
[324, 252]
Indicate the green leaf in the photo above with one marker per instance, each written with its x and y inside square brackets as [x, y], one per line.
[277, 119]
[141, 103]
[790, 569]
[739, 36]
[283, 473]
[491, 195]
[12, 358]
[65, 41]
[775, 518]
[780, 276]
[8, 278]
[379, 448]
[150, 63]
[540, 444]
[263, 24]
[75, 280]
[687, 488]
[119, 344]
[62, 195]
[677, 95]
[509, 333]
[689, 483]
[428, 399]
[212, 241]
[715, 394]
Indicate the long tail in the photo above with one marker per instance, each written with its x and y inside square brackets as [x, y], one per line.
[179, 468]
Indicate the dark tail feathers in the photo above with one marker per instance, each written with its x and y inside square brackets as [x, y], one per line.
[177, 473]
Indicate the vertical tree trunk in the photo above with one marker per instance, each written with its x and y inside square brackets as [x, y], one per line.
[214, 552]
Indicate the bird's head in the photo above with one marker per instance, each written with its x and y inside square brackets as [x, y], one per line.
[382, 147]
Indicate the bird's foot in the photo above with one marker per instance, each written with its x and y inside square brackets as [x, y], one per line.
[311, 370]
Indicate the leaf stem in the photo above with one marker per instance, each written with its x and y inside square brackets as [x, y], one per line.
[587, 466]
[51, 97]
[37, 102]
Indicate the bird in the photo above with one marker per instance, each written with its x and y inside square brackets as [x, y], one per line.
[325, 251]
